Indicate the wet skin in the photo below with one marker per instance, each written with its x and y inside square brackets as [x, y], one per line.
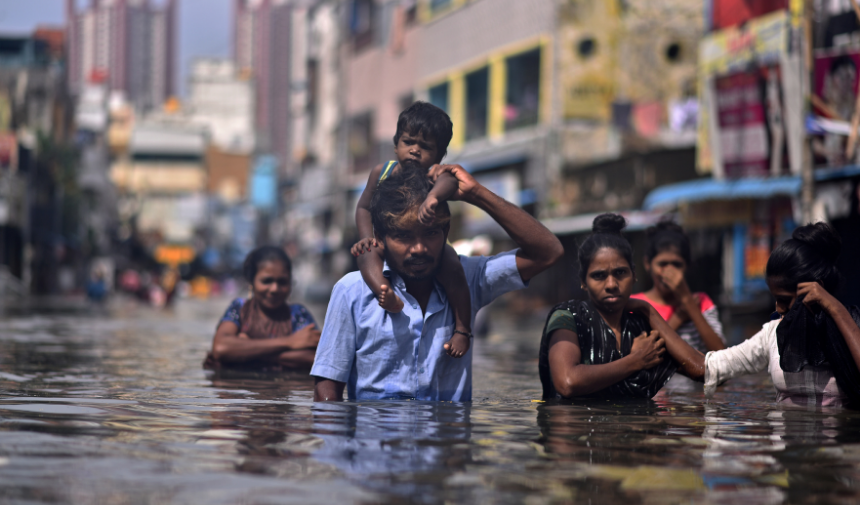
[609, 282]
[415, 253]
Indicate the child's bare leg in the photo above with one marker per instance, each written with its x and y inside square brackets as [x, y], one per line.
[453, 279]
[370, 265]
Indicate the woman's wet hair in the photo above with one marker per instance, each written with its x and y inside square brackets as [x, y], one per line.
[606, 232]
[808, 256]
[261, 255]
[667, 236]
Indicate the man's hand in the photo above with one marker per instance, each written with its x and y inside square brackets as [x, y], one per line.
[466, 184]
[306, 338]
[362, 246]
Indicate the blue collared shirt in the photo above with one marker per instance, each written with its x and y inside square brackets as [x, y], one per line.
[380, 355]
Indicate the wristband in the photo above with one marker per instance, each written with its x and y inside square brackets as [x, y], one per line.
[464, 333]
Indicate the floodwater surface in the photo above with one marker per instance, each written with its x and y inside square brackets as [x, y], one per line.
[112, 406]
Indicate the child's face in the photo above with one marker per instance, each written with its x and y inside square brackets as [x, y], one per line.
[418, 148]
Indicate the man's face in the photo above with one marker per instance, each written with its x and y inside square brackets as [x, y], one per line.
[415, 251]
[418, 148]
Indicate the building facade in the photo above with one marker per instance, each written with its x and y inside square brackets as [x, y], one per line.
[129, 45]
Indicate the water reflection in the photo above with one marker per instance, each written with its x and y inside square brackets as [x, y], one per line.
[384, 443]
[117, 410]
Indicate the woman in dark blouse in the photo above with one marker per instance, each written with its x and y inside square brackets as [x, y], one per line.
[609, 345]
[265, 331]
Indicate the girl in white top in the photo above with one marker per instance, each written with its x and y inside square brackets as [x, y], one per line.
[813, 351]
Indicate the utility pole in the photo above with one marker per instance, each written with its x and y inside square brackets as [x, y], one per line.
[807, 177]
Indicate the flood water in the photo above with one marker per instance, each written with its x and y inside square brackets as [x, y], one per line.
[112, 406]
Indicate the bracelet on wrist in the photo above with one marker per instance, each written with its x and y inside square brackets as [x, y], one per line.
[461, 332]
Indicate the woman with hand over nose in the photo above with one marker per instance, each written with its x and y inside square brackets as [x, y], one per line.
[609, 345]
[694, 316]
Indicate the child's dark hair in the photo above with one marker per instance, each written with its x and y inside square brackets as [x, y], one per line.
[667, 236]
[606, 232]
[808, 256]
[396, 201]
[262, 255]
[423, 118]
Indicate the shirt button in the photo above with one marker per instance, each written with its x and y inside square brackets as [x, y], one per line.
[421, 370]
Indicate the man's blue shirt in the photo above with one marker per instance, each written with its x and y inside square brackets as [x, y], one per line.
[380, 355]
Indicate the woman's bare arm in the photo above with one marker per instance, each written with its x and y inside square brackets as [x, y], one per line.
[710, 337]
[691, 361]
[228, 347]
[572, 379]
[814, 294]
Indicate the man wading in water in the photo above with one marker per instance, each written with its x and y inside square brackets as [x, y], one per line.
[381, 355]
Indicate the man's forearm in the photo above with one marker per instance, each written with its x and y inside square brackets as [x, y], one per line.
[536, 242]
[326, 390]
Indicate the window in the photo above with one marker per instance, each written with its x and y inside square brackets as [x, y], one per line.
[361, 23]
[438, 96]
[411, 15]
[476, 103]
[361, 147]
[406, 100]
[439, 5]
[522, 103]
[312, 89]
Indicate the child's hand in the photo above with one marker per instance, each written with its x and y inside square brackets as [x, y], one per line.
[427, 212]
[362, 246]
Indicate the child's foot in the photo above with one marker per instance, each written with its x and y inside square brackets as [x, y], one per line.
[388, 300]
[458, 345]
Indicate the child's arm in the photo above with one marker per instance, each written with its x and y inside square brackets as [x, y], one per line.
[362, 212]
[443, 189]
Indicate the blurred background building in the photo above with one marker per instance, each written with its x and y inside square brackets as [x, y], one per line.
[705, 111]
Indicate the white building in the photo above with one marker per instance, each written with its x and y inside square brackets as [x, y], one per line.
[222, 102]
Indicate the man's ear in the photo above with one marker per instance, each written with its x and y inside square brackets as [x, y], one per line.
[647, 265]
[380, 239]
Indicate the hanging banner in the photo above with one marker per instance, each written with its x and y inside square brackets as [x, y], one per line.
[762, 40]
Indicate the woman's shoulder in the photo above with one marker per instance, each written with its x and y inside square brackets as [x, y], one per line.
[233, 312]
[301, 316]
[705, 302]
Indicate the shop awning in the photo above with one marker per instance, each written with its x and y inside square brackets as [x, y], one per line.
[581, 223]
[667, 197]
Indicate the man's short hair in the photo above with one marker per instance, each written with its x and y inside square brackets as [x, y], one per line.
[396, 201]
[422, 118]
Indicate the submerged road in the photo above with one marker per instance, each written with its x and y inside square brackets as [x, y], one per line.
[111, 405]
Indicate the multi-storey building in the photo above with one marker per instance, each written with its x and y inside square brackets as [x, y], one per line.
[130, 45]
[261, 41]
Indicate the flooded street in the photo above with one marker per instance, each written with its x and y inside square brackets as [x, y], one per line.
[112, 406]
